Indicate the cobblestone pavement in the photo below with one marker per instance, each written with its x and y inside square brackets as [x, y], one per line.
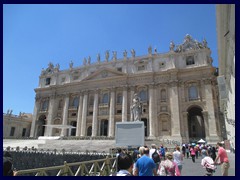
[195, 169]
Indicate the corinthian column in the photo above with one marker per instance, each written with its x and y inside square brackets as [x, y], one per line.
[65, 115]
[79, 117]
[210, 109]
[84, 114]
[111, 114]
[95, 114]
[124, 105]
[51, 108]
[131, 100]
[35, 113]
[175, 118]
[152, 111]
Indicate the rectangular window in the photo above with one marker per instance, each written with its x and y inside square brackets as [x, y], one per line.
[90, 113]
[190, 60]
[74, 114]
[75, 77]
[141, 68]
[119, 111]
[24, 132]
[119, 69]
[48, 80]
[12, 131]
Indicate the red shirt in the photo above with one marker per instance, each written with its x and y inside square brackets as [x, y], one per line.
[222, 155]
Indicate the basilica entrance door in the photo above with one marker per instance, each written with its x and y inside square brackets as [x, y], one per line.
[104, 128]
[40, 125]
[196, 123]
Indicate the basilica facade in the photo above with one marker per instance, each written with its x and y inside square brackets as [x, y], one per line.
[177, 89]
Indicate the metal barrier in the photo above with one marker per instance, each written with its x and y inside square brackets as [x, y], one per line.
[102, 167]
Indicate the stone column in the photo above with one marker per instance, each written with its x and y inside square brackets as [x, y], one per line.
[124, 105]
[79, 117]
[206, 124]
[95, 114]
[185, 129]
[111, 114]
[210, 108]
[65, 115]
[152, 111]
[131, 100]
[84, 114]
[50, 115]
[35, 114]
[175, 117]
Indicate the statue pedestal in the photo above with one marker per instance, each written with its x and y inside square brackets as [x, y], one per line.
[129, 134]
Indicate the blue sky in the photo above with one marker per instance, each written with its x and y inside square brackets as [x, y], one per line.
[34, 35]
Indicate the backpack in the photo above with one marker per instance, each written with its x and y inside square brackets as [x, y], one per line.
[156, 157]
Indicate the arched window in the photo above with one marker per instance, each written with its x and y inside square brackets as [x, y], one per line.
[119, 98]
[75, 102]
[45, 105]
[105, 98]
[193, 94]
[163, 95]
[143, 95]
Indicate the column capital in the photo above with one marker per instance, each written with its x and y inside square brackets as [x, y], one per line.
[173, 83]
[152, 85]
[205, 113]
[125, 88]
[112, 89]
[38, 98]
[85, 92]
[96, 91]
[207, 81]
[132, 88]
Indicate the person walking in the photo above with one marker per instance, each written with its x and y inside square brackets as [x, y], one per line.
[187, 151]
[169, 167]
[223, 158]
[145, 166]
[192, 152]
[178, 158]
[208, 163]
[125, 165]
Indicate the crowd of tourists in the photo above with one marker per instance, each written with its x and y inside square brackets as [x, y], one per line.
[154, 161]
[158, 161]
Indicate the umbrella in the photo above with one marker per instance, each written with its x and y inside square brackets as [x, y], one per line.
[201, 141]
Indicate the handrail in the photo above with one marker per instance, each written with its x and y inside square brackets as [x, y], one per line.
[86, 168]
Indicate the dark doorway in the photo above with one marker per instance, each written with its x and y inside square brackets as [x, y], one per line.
[104, 128]
[89, 131]
[73, 131]
[196, 125]
[145, 126]
[40, 125]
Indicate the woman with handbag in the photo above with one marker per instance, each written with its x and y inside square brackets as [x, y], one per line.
[168, 167]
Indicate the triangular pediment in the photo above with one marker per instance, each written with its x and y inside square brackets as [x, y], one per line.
[104, 73]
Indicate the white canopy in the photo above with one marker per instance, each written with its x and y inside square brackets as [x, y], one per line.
[201, 141]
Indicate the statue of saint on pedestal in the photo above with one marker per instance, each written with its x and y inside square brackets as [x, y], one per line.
[136, 108]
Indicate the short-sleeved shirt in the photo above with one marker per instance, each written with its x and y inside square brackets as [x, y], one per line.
[222, 155]
[177, 157]
[145, 166]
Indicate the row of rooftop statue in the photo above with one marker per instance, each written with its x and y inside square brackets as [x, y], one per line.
[188, 44]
